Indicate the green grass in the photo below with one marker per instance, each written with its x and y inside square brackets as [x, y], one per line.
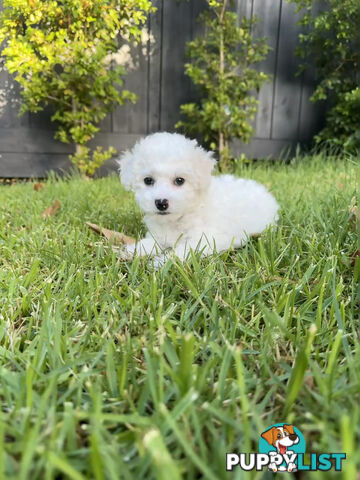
[113, 370]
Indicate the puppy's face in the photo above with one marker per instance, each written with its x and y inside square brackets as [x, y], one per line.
[168, 173]
[281, 437]
[166, 191]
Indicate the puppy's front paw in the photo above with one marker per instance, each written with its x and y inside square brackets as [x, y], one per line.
[292, 467]
[273, 467]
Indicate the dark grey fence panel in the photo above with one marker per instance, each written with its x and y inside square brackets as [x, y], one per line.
[175, 86]
[268, 13]
[288, 86]
[156, 74]
[156, 21]
[132, 118]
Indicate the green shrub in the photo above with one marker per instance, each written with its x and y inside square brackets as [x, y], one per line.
[221, 65]
[60, 53]
[332, 41]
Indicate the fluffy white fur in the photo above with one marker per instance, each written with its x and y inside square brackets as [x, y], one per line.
[206, 212]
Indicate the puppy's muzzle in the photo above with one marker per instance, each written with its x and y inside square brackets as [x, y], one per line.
[162, 205]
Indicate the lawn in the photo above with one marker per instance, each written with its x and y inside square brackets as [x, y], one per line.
[115, 370]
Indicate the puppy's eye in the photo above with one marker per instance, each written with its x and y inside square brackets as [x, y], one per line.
[149, 181]
[279, 435]
[179, 181]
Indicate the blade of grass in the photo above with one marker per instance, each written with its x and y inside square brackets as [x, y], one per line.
[243, 397]
[188, 449]
[63, 466]
[298, 371]
[348, 447]
[165, 467]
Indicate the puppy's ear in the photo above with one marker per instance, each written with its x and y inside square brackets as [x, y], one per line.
[207, 161]
[289, 429]
[204, 162]
[126, 170]
[269, 436]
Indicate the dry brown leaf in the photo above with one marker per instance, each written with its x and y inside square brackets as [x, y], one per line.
[50, 211]
[38, 186]
[111, 235]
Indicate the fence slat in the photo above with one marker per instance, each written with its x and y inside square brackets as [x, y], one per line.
[287, 85]
[132, 118]
[154, 60]
[175, 86]
[268, 14]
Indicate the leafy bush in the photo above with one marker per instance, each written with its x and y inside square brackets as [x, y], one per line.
[221, 65]
[332, 41]
[60, 53]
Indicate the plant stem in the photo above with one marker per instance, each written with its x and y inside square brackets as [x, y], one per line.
[222, 68]
[79, 148]
[221, 146]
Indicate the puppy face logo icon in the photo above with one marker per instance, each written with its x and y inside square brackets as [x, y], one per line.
[282, 449]
[282, 442]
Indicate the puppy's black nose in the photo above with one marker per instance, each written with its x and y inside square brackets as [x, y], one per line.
[162, 205]
[293, 437]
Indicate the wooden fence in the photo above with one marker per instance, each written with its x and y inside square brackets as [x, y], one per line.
[156, 74]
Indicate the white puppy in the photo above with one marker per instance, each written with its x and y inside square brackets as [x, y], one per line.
[185, 206]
